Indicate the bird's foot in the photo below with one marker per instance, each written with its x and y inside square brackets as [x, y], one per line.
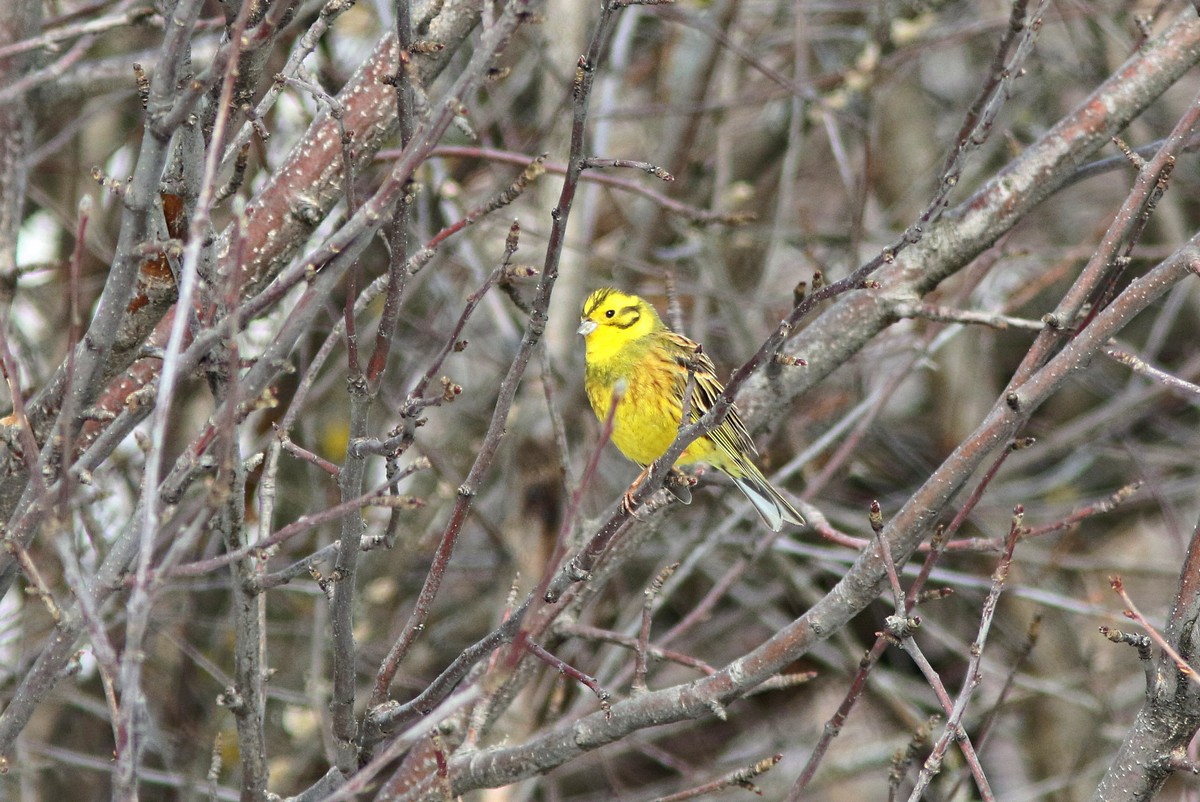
[627, 501]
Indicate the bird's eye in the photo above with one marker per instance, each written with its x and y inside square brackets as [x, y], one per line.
[610, 313]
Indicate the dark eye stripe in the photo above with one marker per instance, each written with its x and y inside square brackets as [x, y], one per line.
[627, 317]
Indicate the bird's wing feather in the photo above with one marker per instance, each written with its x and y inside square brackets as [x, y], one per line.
[731, 435]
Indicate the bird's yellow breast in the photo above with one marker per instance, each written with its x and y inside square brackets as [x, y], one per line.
[646, 420]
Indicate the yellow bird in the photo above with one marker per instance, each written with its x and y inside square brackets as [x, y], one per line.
[628, 344]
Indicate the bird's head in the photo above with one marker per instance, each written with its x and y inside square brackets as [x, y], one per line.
[610, 316]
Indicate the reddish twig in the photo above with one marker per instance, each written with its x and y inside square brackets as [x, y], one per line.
[631, 643]
[1131, 612]
[588, 681]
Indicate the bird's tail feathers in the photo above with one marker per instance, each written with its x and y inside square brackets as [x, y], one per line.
[770, 504]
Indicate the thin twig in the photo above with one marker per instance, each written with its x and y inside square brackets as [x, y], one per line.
[1132, 613]
[639, 675]
[953, 730]
[1183, 388]
[740, 778]
[539, 651]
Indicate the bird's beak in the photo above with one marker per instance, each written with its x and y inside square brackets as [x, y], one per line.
[586, 327]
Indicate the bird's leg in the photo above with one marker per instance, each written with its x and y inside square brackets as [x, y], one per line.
[678, 483]
[627, 500]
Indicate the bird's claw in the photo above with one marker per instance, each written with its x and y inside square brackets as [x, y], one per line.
[627, 502]
[629, 505]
